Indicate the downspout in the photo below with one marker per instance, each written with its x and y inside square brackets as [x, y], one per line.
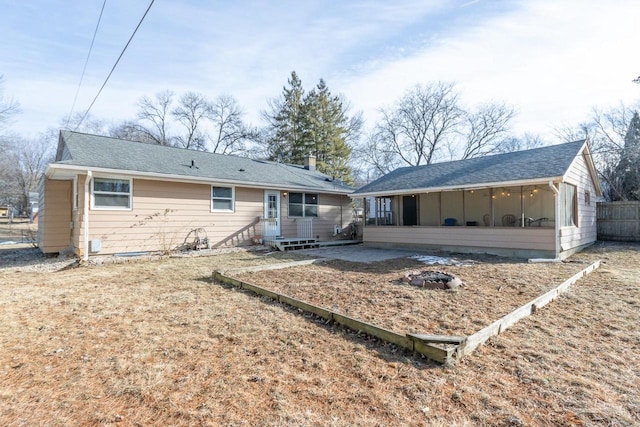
[557, 214]
[85, 252]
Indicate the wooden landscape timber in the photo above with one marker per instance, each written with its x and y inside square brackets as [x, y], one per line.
[473, 341]
[440, 348]
[433, 352]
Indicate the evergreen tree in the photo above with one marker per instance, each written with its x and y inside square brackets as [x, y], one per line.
[316, 124]
[286, 121]
[628, 168]
[326, 132]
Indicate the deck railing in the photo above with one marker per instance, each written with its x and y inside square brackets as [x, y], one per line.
[304, 228]
[269, 227]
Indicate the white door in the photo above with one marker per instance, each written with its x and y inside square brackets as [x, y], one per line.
[271, 213]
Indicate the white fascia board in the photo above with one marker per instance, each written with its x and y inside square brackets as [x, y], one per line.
[537, 181]
[64, 171]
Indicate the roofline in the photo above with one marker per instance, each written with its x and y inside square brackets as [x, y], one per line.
[585, 152]
[537, 181]
[53, 167]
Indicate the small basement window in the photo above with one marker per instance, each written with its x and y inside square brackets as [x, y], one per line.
[222, 199]
[111, 193]
[303, 205]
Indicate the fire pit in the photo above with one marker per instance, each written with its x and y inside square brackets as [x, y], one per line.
[432, 280]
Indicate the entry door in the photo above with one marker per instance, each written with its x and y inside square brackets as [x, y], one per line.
[271, 213]
[409, 210]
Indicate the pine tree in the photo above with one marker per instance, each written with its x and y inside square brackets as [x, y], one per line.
[316, 124]
[628, 169]
[326, 131]
[285, 121]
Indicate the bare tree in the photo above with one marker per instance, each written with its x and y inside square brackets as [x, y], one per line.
[154, 115]
[525, 142]
[90, 124]
[484, 130]
[25, 163]
[8, 106]
[606, 131]
[131, 131]
[230, 133]
[192, 111]
[416, 128]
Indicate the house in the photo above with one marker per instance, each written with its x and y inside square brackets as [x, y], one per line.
[533, 203]
[109, 196]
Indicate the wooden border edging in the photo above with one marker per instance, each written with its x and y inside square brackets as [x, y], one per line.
[474, 341]
[419, 343]
[410, 342]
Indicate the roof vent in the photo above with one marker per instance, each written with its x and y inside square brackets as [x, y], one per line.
[240, 170]
[193, 164]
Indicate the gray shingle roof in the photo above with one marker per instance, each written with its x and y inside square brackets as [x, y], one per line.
[535, 164]
[93, 151]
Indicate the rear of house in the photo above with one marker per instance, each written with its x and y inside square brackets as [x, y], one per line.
[531, 204]
[107, 196]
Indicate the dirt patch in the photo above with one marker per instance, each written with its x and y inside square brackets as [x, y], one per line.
[156, 343]
[376, 294]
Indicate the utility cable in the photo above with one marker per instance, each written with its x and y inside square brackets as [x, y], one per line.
[114, 66]
[84, 69]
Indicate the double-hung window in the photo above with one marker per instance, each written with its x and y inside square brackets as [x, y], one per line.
[111, 193]
[303, 205]
[222, 199]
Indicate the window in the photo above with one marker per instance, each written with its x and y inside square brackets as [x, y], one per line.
[111, 193]
[222, 199]
[380, 211]
[303, 205]
[587, 198]
[568, 205]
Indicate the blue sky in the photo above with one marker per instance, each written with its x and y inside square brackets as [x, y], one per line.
[553, 60]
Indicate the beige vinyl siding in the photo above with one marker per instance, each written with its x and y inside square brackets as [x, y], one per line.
[54, 223]
[429, 209]
[333, 210]
[163, 214]
[512, 238]
[586, 230]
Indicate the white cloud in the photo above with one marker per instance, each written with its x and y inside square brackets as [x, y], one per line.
[552, 60]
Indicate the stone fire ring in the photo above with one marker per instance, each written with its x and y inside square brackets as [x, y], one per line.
[432, 280]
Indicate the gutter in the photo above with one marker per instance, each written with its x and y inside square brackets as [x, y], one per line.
[55, 167]
[482, 186]
[85, 253]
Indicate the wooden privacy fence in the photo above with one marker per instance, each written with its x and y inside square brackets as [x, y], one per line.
[619, 221]
[440, 348]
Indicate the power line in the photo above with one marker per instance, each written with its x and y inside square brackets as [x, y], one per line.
[114, 66]
[84, 69]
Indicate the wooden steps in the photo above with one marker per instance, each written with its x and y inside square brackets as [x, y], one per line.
[293, 244]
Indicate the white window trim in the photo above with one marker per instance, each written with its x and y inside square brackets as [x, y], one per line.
[111, 208]
[233, 199]
[304, 193]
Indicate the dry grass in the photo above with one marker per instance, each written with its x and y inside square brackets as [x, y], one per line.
[494, 287]
[158, 343]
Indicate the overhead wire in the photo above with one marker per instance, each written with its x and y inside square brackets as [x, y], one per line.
[114, 66]
[84, 69]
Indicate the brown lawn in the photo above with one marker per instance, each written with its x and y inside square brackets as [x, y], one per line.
[158, 343]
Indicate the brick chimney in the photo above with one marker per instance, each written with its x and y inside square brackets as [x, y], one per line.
[310, 162]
